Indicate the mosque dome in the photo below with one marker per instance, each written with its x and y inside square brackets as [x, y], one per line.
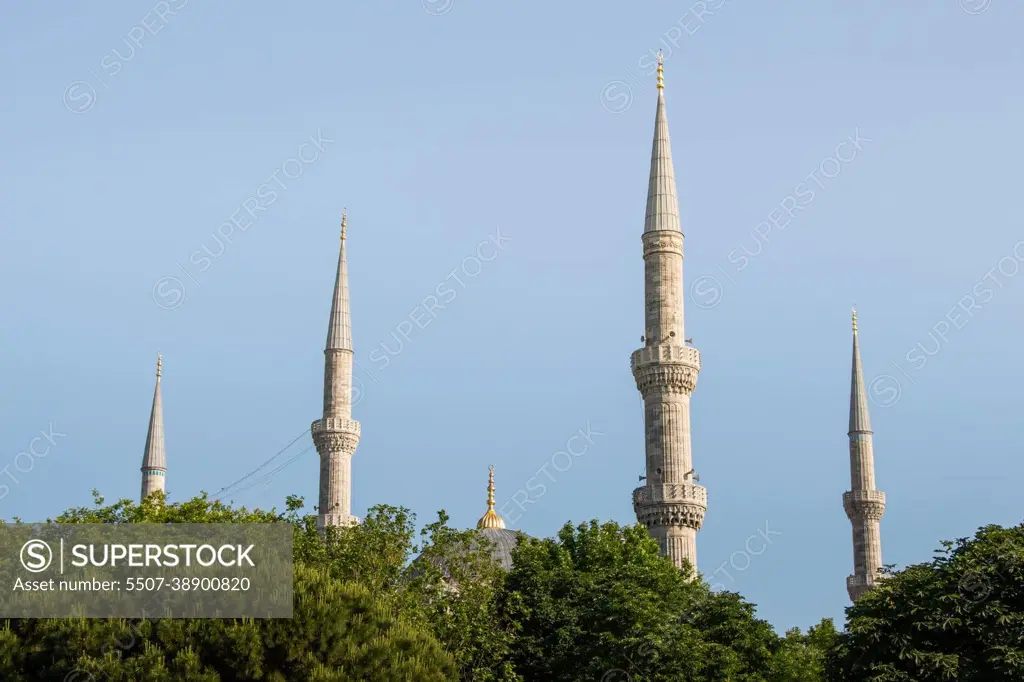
[491, 531]
[492, 527]
[502, 542]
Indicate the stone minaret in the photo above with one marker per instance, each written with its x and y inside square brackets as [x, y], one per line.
[154, 459]
[670, 504]
[864, 504]
[336, 435]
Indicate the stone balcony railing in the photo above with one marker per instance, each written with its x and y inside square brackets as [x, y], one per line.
[333, 424]
[867, 503]
[335, 435]
[671, 492]
[665, 368]
[671, 504]
[665, 354]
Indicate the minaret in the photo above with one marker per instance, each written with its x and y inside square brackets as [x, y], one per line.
[864, 504]
[491, 518]
[336, 435]
[154, 459]
[670, 504]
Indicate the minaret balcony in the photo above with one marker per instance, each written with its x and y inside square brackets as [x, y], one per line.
[335, 435]
[864, 504]
[666, 367]
[663, 241]
[671, 504]
[332, 424]
[856, 585]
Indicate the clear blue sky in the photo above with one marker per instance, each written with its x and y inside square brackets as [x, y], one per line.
[452, 120]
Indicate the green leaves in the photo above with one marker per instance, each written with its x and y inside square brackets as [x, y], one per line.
[600, 603]
[347, 624]
[959, 617]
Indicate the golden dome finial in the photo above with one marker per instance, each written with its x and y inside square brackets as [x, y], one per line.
[854, 319]
[344, 221]
[491, 518]
[159, 363]
[661, 71]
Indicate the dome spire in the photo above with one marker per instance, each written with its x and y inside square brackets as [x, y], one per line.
[491, 518]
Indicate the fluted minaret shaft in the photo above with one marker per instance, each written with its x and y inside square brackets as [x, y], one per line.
[336, 435]
[154, 458]
[670, 504]
[864, 504]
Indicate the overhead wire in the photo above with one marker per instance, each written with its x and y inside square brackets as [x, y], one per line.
[229, 488]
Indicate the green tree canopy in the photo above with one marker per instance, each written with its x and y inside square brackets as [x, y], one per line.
[375, 602]
[957, 618]
[599, 603]
[348, 622]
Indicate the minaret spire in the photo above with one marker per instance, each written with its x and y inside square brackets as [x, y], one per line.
[336, 434]
[154, 457]
[339, 331]
[491, 518]
[671, 505]
[864, 504]
[662, 203]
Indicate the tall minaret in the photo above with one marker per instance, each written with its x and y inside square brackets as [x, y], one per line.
[154, 459]
[670, 504]
[336, 435]
[864, 504]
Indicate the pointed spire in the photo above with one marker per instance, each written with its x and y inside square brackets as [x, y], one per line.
[339, 331]
[154, 458]
[662, 204]
[491, 518]
[860, 421]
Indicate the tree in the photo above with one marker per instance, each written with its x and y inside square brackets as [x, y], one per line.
[595, 603]
[454, 587]
[346, 623]
[957, 618]
[599, 603]
[801, 657]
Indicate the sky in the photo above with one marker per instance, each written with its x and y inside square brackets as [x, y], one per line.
[826, 155]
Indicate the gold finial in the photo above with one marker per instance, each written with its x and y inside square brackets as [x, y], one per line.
[491, 518]
[344, 221]
[159, 363]
[661, 71]
[854, 319]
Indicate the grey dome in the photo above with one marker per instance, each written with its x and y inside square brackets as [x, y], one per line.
[504, 541]
[501, 543]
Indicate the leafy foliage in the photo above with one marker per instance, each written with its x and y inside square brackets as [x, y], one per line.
[374, 602]
[347, 623]
[957, 618]
[600, 603]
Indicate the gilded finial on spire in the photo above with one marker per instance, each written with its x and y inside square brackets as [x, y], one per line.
[159, 364]
[491, 518]
[854, 319]
[344, 221]
[661, 71]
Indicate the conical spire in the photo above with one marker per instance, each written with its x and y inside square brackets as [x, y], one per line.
[339, 331]
[154, 458]
[860, 422]
[662, 204]
[491, 518]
